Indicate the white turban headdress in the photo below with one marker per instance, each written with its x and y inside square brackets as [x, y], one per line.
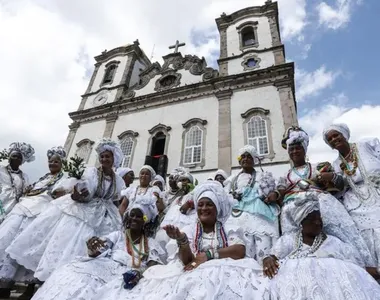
[251, 150]
[214, 191]
[59, 151]
[26, 151]
[222, 173]
[107, 144]
[147, 204]
[294, 135]
[186, 174]
[123, 171]
[305, 207]
[159, 178]
[150, 169]
[341, 128]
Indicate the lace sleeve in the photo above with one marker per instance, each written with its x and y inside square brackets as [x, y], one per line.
[267, 184]
[156, 253]
[284, 246]
[120, 186]
[374, 147]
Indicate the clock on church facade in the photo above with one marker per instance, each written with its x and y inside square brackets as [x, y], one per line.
[184, 113]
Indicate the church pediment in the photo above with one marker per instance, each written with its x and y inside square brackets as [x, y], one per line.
[176, 71]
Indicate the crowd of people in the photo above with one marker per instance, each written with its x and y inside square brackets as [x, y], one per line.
[312, 234]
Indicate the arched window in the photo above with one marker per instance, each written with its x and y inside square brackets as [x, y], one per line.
[127, 147]
[193, 146]
[248, 36]
[110, 71]
[84, 149]
[127, 144]
[257, 134]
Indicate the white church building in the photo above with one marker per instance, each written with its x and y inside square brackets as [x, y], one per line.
[183, 113]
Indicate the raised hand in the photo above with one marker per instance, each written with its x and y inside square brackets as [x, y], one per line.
[79, 195]
[94, 245]
[173, 232]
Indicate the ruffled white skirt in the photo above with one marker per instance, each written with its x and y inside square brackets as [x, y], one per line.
[219, 279]
[59, 234]
[321, 279]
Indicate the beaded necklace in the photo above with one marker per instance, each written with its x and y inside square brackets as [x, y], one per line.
[139, 188]
[111, 192]
[345, 166]
[297, 253]
[131, 248]
[220, 236]
[10, 172]
[49, 184]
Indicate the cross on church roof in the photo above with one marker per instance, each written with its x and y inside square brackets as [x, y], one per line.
[176, 46]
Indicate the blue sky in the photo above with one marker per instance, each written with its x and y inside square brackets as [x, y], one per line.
[47, 50]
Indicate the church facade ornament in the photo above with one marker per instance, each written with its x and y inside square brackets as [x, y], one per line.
[168, 80]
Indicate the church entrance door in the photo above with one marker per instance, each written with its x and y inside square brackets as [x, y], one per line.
[157, 158]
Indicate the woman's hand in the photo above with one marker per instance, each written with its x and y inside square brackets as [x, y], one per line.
[198, 260]
[79, 195]
[185, 207]
[94, 245]
[272, 197]
[271, 266]
[173, 232]
[325, 177]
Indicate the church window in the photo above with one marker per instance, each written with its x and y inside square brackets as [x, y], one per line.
[168, 81]
[193, 146]
[84, 149]
[248, 36]
[251, 62]
[109, 72]
[257, 131]
[257, 134]
[194, 143]
[127, 144]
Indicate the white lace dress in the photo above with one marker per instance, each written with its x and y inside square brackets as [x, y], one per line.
[362, 197]
[336, 221]
[12, 187]
[216, 279]
[334, 271]
[260, 231]
[58, 234]
[17, 220]
[133, 193]
[174, 217]
[81, 278]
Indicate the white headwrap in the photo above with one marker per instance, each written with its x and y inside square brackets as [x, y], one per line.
[60, 151]
[106, 144]
[251, 150]
[341, 128]
[298, 136]
[160, 179]
[186, 174]
[222, 173]
[150, 169]
[147, 204]
[26, 151]
[123, 171]
[305, 207]
[214, 191]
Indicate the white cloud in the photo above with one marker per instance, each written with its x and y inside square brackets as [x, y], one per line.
[312, 83]
[363, 122]
[338, 16]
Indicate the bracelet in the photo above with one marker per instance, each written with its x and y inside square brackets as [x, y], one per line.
[209, 255]
[278, 194]
[182, 241]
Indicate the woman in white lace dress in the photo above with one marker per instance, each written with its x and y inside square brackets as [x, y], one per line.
[13, 181]
[133, 193]
[250, 212]
[31, 205]
[359, 163]
[312, 265]
[303, 179]
[211, 262]
[180, 212]
[108, 257]
[57, 235]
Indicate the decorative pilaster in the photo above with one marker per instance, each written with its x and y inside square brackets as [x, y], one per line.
[110, 124]
[224, 130]
[223, 66]
[288, 104]
[84, 98]
[70, 137]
